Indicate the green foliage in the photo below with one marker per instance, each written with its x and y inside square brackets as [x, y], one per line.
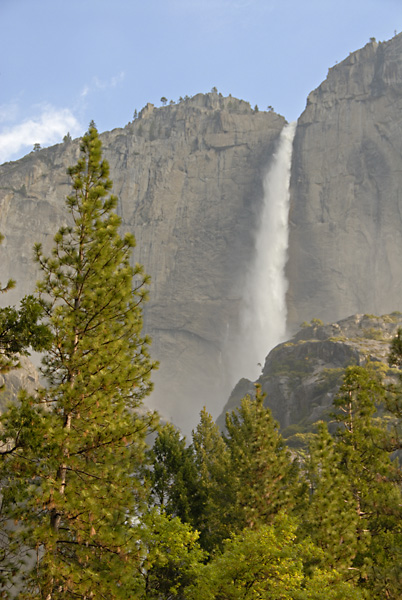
[352, 510]
[316, 322]
[392, 318]
[170, 557]
[72, 480]
[212, 460]
[362, 452]
[313, 323]
[373, 333]
[330, 518]
[395, 355]
[260, 464]
[20, 330]
[173, 476]
[394, 396]
[268, 563]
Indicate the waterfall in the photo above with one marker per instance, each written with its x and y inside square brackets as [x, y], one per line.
[263, 322]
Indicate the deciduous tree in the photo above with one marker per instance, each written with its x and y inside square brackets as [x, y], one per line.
[268, 563]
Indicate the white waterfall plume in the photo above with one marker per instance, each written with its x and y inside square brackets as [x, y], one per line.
[264, 317]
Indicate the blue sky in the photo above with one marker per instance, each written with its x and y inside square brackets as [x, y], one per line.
[64, 63]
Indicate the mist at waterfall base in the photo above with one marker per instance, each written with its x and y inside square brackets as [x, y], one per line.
[264, 313]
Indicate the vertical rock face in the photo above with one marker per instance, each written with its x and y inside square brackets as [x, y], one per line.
[189, 182]
[345, 247]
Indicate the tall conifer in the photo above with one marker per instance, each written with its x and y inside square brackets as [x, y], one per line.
[260, 463]
[173, 476]
[212, 459]
[331, 519]
[72, 486]
[361, 445]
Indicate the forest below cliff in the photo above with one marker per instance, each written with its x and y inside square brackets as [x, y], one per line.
[91, 509]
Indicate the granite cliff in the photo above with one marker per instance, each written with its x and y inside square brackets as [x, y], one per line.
[189, 182]
[345, 243]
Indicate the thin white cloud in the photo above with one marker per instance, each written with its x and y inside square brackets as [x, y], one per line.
[114, 81]
[85, 91]
[102, 84]
[48, 128]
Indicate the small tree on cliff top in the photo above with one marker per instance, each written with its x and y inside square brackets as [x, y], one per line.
[72, 482]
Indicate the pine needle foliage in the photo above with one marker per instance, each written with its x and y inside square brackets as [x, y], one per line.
[212, 459]
[361, 443]
[260, 463]
[331, 519]
[73, 484]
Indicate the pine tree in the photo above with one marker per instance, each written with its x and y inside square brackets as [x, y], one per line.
[194, 482]
[330, 519]
[173, 475]
[362, 453]
[212, 459]
[361, 441]
[72, 484]
[260, 464]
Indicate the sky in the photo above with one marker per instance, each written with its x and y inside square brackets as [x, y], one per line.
[65, 63]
